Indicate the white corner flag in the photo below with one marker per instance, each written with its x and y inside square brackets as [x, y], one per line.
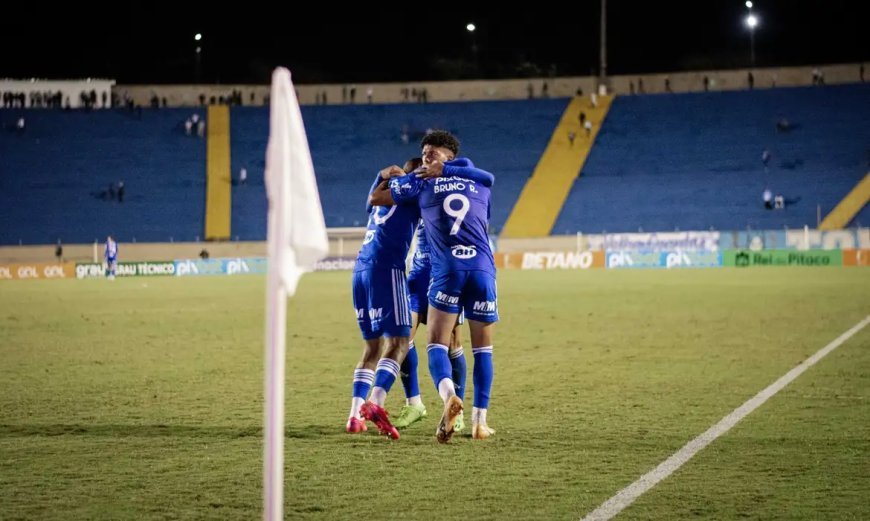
[296, 241]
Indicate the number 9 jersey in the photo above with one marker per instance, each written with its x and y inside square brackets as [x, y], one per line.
[455, 210]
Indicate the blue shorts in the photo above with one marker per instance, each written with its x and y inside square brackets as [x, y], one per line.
[474, 292]
[380, 298]
[418, 289]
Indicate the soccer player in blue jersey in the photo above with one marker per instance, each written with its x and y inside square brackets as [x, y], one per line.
[456, 215]
[380, 297]
[418, 288]
[111, 256]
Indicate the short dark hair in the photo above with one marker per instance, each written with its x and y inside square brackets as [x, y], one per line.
[441, 138]
[412, 164]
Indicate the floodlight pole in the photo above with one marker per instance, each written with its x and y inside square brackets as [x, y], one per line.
[602, 66]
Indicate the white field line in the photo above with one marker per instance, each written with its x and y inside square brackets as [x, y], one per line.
[629, 494]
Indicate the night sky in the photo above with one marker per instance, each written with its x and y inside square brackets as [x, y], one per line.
[427, 42]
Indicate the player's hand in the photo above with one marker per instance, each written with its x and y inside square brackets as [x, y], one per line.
[381, 196]
[431, 170]
[392, 171]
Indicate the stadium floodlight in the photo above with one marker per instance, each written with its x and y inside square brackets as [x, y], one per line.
[752, 23]
[197, 36]
[471, 27]
[748, 4]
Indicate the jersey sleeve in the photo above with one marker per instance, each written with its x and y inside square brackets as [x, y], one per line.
[372, 189]
[406, 189]
[463, 167]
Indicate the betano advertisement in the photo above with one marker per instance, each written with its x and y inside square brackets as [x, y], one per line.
[550, 260]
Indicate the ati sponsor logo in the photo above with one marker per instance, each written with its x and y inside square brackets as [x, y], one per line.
[557, 260]
[486, 306]
[237, 266]
[376, 313]
[446, 299]
[464, 252]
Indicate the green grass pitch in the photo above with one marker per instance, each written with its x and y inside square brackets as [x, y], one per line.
[142, 399]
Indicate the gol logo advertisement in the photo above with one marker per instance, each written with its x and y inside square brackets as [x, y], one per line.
[37, 271]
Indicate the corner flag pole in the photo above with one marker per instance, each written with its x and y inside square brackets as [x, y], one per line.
[296, 241]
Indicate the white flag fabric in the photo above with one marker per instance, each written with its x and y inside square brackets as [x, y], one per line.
[296, 241]
[297, 233]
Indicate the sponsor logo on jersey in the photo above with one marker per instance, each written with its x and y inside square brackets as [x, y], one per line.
[446, 299]
[484, 306]
[464, 252]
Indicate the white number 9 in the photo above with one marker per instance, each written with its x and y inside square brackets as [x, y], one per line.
[458, 214]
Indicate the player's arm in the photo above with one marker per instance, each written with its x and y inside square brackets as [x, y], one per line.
[383, 175]
[469, 172]
[399, 190]
[461, 167]
[381, 195]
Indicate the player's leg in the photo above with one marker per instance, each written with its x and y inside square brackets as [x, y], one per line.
[481, 309]
[414, 410]
[364, 373]
[390, 296]
[444, 298]
[459, 369]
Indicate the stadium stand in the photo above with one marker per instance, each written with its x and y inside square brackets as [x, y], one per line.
[693, 161]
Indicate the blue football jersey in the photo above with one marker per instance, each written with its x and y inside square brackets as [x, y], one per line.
[388, 235]
[421, 253]
[455, 213]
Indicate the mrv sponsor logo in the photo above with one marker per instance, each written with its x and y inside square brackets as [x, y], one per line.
[446, 299]
[485, 306]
